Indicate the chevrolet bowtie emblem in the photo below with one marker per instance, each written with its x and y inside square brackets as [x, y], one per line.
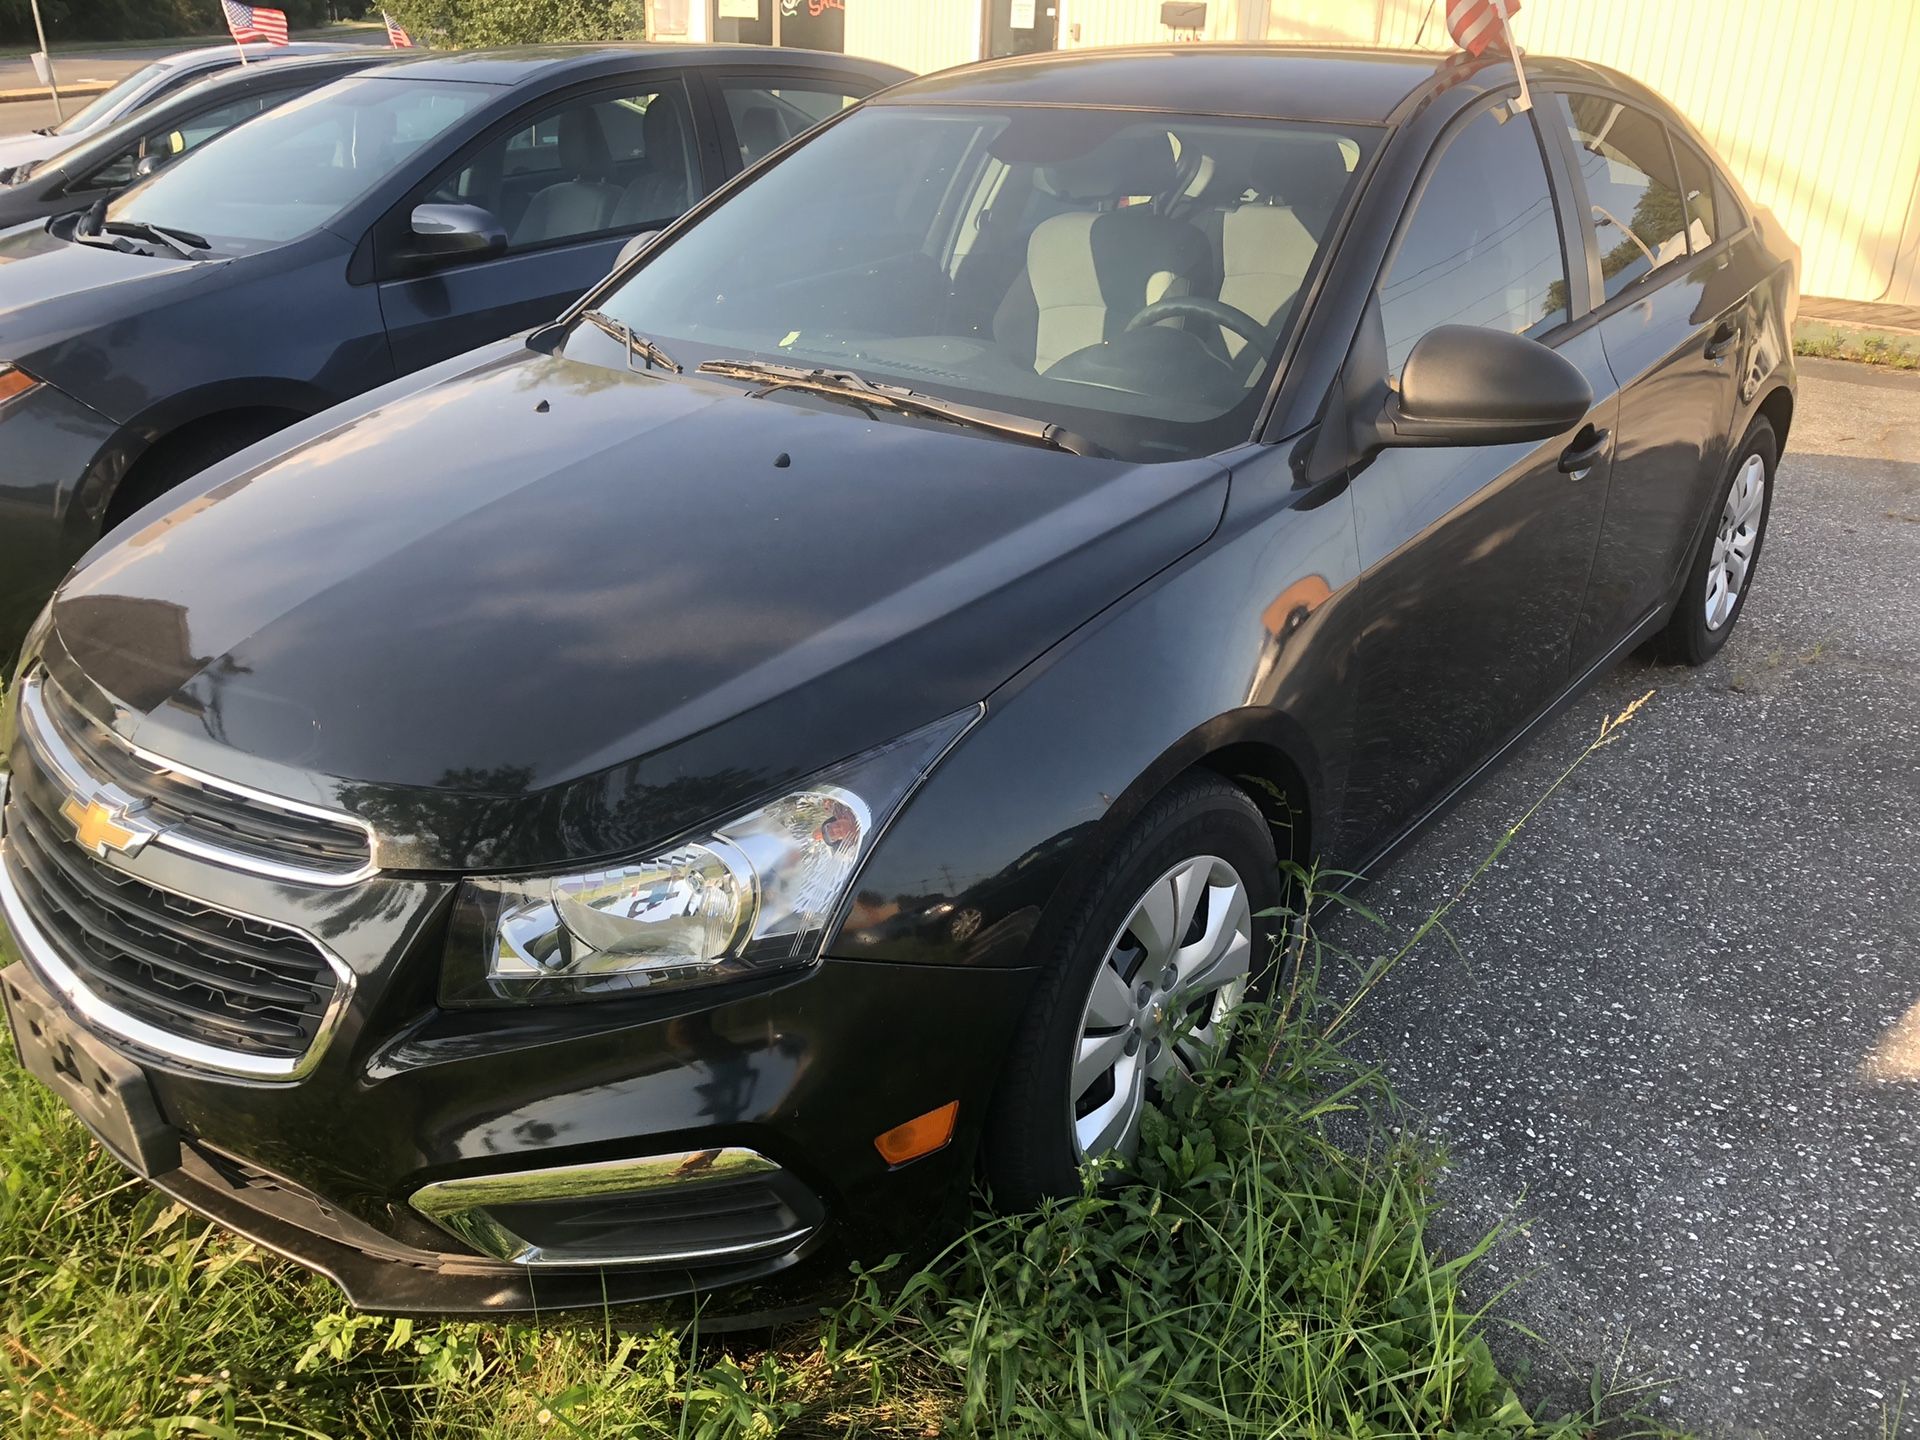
[100, 827]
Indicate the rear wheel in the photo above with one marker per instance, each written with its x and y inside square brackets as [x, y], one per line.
[1729, 553]
[1166, 941]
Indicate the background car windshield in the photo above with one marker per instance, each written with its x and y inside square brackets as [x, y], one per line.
[999, 256]
[111, 100]
[292, 171]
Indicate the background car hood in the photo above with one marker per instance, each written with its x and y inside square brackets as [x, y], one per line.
[18, 149]
[547, 610]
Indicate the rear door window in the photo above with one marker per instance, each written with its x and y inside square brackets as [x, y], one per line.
[770, 110]
[1704, 225]
[1633, 194]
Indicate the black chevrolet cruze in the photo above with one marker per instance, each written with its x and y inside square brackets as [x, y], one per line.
[664, 803]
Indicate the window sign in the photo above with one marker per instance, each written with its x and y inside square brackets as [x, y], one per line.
[1021, 16]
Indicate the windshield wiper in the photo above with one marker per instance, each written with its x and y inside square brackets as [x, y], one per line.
[636, 344]
[845, 385]
[92, 229]
[182, 242]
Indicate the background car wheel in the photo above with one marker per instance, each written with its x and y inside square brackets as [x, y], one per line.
[1723, 570]
[1165, 941]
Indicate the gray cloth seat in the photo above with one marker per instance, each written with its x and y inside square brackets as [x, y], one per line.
[662, 191]
[583, 204]
[1268, 244]
[1091, 270]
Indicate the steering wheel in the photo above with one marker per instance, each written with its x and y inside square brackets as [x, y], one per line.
[1197, 307]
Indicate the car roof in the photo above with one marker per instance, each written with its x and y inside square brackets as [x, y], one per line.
[1351, 86]
[519, 64]
[203, 55]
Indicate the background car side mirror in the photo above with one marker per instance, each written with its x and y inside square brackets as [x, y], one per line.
[636, 246]
[1464, 385]
[441, 230]
[150, 165]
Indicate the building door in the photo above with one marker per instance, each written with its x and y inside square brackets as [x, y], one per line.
[1021, 27]
[801, 24]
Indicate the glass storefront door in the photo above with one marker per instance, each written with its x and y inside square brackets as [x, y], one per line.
[801, 24]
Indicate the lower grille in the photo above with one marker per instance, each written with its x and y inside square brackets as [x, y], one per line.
[259, 991]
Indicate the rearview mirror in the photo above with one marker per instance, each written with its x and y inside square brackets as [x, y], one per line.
[636, 246]
[457, 230]
[1463, 385]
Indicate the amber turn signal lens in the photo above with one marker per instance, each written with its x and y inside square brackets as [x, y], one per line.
[14, 382]
[919, 1136]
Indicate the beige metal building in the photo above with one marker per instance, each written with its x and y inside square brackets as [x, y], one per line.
[1812, 102]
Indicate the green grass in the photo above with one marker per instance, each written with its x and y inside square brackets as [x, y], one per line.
[1831, 342]
[1265, 1271]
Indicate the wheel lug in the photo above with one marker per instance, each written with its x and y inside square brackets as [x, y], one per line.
[1170, 979]
[1133, 1043]
[1143, 995]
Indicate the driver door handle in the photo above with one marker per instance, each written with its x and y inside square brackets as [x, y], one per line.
[1585, 452]
[1725, 336]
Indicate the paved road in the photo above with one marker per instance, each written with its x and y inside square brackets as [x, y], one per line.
[73, 67]
[1680, 1041]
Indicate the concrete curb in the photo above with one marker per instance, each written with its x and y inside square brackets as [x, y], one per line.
[76, 92]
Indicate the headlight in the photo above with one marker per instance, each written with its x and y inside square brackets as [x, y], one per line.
[748, 897]
[14, 382]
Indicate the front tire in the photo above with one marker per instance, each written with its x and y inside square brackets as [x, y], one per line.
[1164, 942]
[1722, 573]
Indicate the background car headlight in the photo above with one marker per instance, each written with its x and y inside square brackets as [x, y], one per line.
[747, 897]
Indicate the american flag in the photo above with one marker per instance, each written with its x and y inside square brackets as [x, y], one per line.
[396, 34]
[1475, 24]
[255, 22]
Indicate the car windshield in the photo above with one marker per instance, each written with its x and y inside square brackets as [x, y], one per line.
[1130, 278]
[105, 104]
[293, 170]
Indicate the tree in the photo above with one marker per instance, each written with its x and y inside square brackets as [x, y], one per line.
[459, 24]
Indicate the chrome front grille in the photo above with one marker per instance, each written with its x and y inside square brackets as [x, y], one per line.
[173, 975]
[175, 964]
[181, 809]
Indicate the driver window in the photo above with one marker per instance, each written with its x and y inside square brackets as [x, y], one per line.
[1483, 244]
[190, 134]
[590, 166]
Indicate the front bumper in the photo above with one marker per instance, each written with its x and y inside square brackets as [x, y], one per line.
[335, 1169]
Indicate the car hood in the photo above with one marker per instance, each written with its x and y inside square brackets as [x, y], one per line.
[19, 149]
[545, 610]
[52, 290]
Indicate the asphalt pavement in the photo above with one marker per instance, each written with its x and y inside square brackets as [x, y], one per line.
[1677, 1047]
[92, 68]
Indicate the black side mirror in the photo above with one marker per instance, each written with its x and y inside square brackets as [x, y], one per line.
[1463, 385]
[441, 230]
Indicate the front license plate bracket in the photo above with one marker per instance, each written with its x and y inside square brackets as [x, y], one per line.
[105, 1089]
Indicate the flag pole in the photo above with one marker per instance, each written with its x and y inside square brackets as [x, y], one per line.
[1525, 102]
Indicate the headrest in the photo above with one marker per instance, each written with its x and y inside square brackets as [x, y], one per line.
[583, 145]
[1135, 162]
[661, 130]
[373, 132]
[1307, 175]
[760, 132]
